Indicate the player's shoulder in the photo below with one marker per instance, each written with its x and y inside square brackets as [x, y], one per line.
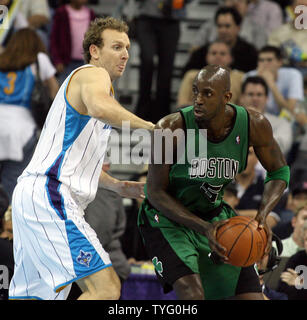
[260, 127]
[256, 118]
[172, 121]
[89, 73]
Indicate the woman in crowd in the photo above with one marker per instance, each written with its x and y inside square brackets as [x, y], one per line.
[17, 79]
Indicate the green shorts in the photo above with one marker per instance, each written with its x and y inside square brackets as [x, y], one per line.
[177, 251]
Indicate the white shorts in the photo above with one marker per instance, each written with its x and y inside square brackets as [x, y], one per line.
[53, 244]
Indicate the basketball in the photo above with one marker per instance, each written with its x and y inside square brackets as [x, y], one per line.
[244, 242]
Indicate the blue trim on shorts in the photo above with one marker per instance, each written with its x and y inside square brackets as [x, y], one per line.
[25, 298]
[80, 277]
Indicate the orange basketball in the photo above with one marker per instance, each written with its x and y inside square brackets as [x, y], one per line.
[243, 240]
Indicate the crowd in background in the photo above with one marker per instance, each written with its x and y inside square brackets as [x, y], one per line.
[256, 40]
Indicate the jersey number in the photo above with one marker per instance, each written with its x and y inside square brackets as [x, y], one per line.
[210, 191]
[12, 76]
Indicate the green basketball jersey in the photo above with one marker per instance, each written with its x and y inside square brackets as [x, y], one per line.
[199, 181]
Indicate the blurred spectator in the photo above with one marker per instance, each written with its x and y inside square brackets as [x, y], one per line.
[157, 33]
[106, 215]
[231, 195]
[249, 30]
[267, 264]
[255, 94]
[219, 53]
[15, 21]
[70, 23]
[6, 248]
[228, 22]
[293, 279]
[38, 15]
[17, 79]
[266, 14]
[298, 166]
[4, 201]
[292, 40]
[250, 186]
[285, 84]
[245, 193]
[295, 199]
[295, 242]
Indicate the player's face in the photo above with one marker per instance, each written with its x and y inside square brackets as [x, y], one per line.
[114, 54]
[254, 96]
[227, 28]
[209, 100]
[219, 54]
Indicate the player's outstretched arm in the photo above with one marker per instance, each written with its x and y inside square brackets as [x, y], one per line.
[272, 159]
[158, 182]
[95, 85]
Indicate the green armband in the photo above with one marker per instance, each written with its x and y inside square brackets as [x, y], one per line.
[282, 173]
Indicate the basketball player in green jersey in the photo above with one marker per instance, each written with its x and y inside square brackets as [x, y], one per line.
[183, 206]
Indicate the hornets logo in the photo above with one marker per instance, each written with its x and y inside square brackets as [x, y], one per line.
[84, 258]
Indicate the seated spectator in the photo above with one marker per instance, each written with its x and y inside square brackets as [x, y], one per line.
[250, 187]
[255, 94]
[6, 248]
[228, 22]
[219, 53]
[285, 84]
[266, 14]
[37, 14]
[70, 23]
[298, 165]
[4, 201]
[292, 40]
[249, 30]
[293, 279]
[295, 242]
[295, 198]
[17, 78]
[267, 264]
[245, 193]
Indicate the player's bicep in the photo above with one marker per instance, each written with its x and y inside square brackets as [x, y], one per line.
[270, 156]
[94, 88]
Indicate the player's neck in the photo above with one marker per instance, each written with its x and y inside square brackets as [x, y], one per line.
[220, 126]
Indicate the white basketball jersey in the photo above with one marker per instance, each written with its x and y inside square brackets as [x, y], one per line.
[70, 151]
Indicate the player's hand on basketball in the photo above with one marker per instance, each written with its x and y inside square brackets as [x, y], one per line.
[132, 190]
[262, 224]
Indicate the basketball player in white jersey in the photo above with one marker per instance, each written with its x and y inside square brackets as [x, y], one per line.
[53, 245]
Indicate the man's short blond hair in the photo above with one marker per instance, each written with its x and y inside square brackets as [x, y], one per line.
[93, 34]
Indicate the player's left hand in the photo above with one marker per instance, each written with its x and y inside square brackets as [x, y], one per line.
[131, 189]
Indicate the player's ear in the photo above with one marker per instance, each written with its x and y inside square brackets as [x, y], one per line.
[227, 96]
[93, 49]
